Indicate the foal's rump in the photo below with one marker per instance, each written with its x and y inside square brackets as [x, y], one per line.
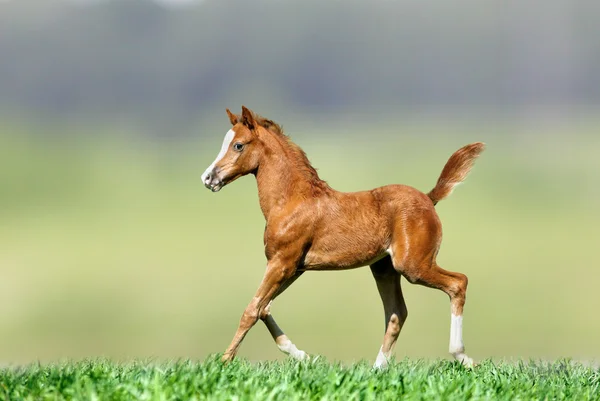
[415, 227]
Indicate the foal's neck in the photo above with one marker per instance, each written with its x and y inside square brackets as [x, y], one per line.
[281, 180]
[278, 184]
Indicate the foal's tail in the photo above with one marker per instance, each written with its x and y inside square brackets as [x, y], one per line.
[455, 171]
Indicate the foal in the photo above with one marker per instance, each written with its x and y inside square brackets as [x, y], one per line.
[310, 226]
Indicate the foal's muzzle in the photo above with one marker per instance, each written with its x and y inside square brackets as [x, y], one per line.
[211, 179]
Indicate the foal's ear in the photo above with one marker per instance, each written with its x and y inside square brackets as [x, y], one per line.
[248, 118]
[232, 117]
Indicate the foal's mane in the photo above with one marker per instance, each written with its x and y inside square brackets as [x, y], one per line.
[297, 155]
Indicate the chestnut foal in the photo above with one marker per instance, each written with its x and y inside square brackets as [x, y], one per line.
[310, 226]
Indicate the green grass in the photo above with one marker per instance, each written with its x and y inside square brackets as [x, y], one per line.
[290, 380]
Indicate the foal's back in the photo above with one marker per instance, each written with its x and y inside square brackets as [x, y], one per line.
[354, 229]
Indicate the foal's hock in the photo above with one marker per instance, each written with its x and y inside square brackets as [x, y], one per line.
[310, 226]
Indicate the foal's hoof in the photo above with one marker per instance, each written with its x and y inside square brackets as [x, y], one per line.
[304, 357]
[380, 366]
[465, 360]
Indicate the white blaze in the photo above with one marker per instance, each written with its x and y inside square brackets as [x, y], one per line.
[226, 142]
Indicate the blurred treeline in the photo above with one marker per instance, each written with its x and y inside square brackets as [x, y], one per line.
[136, 59]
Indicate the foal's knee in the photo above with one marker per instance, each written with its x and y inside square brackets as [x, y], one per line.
[251, 315]
[254, 311]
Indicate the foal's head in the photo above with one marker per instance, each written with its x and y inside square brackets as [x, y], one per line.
[240, 152]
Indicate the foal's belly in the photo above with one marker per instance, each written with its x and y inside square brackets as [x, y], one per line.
[341, 252]
[354, 230]
[317, 262]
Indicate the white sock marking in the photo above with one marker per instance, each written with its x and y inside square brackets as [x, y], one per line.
[287, 347]
[457, 347]
[456, 341]
[382, 360]
[226, 142]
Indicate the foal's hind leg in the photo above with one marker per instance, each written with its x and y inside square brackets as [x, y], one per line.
[455, 285]
[388, 284]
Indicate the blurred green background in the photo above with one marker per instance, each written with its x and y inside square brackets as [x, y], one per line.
[110, 111]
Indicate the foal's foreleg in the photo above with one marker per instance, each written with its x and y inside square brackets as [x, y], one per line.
[283, 342]
[275, 276]
[388, 284]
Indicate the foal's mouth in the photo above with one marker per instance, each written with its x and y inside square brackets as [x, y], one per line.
[214, 185]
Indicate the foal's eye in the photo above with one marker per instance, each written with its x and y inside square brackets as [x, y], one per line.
[238, 146]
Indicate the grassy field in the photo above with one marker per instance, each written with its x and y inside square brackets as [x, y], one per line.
[111, 247]
[241, 380]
